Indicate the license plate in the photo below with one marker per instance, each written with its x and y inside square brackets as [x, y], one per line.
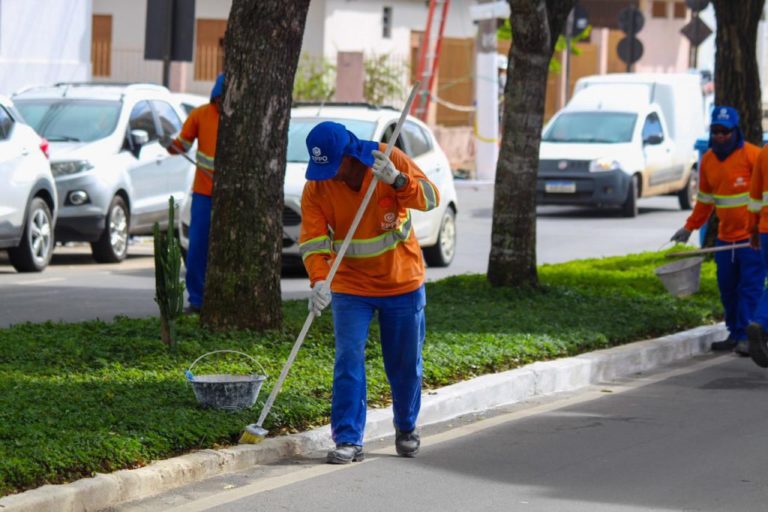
[560, 187]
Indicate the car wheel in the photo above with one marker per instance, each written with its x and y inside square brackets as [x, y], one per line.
[112, 246]
[441, 254]
[36, 248]
[629, 208]
[687, 195]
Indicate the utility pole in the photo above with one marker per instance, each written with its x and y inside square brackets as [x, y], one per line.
[486, 13]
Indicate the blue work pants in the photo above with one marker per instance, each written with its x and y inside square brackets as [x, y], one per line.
[741, 279]
[197, 253]
[402, 328]
[761, 313]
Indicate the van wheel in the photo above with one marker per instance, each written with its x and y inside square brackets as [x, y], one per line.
[441, 254]
[687, 195]
[112, 245]
[629, 208]
[36, 248]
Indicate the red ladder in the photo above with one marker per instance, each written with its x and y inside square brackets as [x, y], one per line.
[429, 56]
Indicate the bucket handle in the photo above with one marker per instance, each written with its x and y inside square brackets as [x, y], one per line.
[190, 376]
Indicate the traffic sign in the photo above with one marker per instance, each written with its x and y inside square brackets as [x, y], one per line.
[697, 5]
[696, 31]
[631, 20]
[630, 49]
[580, 20]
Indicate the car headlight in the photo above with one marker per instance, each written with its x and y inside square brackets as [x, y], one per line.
[604, 164]
[69, 168]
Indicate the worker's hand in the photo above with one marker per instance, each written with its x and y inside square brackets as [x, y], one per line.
[681, 236]
[383, 168]
[320, 298]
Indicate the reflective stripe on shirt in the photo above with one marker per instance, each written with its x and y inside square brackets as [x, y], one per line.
[370, 247]
[205, 161]
[319, 245]
[733, 201]
[755, 205]
[430, 197]
[705, 198]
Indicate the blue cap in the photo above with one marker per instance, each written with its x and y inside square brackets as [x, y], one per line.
[326, 143]
[726, 117]
[218, 87]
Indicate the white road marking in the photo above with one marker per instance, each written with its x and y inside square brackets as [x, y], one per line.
[40, 281]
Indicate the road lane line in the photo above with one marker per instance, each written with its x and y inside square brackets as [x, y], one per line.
[40, 281]
[320, 469]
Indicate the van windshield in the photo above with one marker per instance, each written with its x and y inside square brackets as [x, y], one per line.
[591, 127]
[70, 120]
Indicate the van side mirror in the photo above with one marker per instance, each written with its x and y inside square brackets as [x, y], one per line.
[654, 139]
[139, 137]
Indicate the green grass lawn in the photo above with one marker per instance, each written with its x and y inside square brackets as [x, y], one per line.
[96, 397]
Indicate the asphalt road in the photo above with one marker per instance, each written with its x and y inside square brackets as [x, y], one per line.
[75, 288]
[686, 438]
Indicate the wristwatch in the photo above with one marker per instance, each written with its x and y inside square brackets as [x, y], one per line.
[400, 181]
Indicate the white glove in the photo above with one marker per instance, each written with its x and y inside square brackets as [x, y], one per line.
[681, 236]
[383, 168]
[320, 298]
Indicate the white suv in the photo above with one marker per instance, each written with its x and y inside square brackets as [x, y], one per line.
[27, 193]
[112, 174]
[435, 229]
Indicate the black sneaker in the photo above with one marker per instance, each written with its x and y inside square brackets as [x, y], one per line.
[407, 443]
[344, 454]
[192, 310]
[742, 348]
[757, 347]
[726, 345]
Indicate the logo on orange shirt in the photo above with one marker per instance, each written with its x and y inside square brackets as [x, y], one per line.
[390, 221]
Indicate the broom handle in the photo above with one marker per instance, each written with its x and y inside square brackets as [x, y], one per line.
[708, 250]
[336, 261]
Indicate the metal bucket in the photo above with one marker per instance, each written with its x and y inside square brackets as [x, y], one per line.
[681, 278]
[227, 392]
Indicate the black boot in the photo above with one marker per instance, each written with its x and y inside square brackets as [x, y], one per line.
[407, 443]
[345, 453]
[758, 350]
[727, 345]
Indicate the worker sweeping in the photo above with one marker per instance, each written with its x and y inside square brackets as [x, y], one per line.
[381, 273]
[724, 184]
[203, 125]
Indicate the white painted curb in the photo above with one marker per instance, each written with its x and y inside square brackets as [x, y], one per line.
[479, 394]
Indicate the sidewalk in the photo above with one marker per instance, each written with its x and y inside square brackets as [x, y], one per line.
[482, 393]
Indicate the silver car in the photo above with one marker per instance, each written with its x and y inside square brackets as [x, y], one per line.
[112, 174]
[27, 193]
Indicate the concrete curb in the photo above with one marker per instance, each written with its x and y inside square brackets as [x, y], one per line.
[481, 393]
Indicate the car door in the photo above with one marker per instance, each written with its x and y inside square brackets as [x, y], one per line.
[657, 149]
[149, 190]
[14, 182]
[178, 172]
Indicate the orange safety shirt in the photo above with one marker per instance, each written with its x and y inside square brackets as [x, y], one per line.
[725, 187]
[384, 257]
[203, 125]
[758, 192]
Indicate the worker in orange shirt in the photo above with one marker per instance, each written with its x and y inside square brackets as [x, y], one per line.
[382, 273]
[724, 181]
[758, 203]
[203, 125]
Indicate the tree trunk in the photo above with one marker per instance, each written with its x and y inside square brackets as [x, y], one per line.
[536, 26]
[737, 79]
[262, 45]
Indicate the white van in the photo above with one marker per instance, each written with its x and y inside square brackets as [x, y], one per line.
[623, 136]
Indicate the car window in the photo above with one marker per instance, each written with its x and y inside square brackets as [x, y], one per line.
[300, 128]
[400, 144]
[417, 140]
[70, 120]
[142, 119]
[652, 126]
[6, 124]
[591, 127]
[169, 120]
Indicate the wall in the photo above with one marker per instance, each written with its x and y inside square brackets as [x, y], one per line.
[61, 54]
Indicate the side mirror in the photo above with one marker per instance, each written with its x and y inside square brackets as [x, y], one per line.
[139, 138]
[654, 139]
